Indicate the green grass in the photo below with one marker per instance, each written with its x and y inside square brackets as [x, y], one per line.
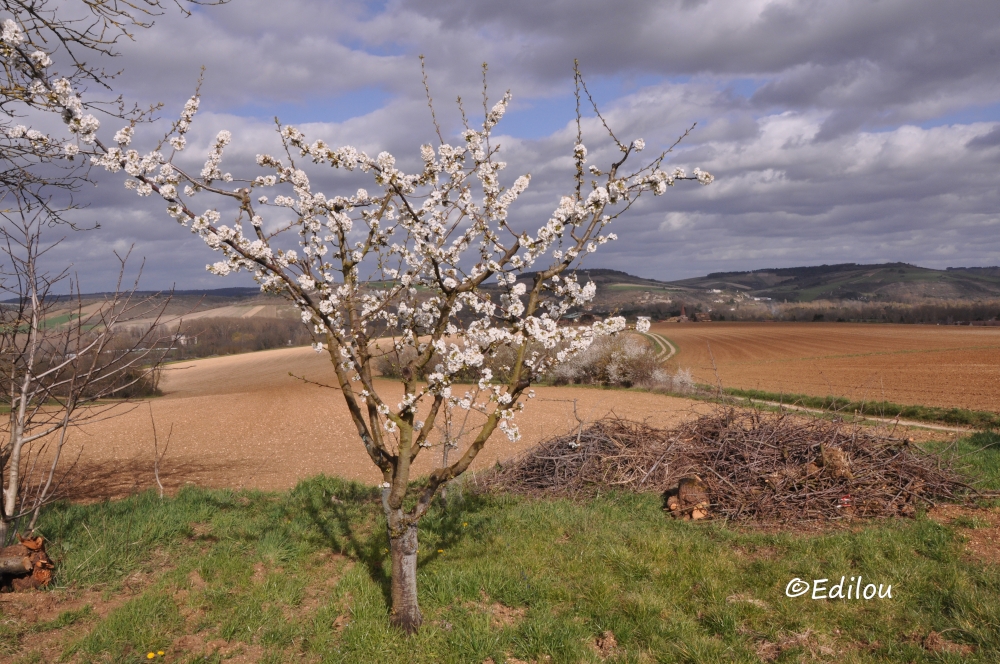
[282, 576]
[65, 619]
[975, 419]
[56, 321]
[979, 453]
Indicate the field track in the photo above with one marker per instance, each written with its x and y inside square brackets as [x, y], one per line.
[241, 421]
[945, 366]
[664, 349]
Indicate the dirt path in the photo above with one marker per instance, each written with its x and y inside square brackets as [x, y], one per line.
[242, 421]
[884, 420]
[666, 349]
[253, 312]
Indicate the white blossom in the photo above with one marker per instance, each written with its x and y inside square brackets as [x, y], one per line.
[12, 33]
[703, 176]
[124, 136]
[40, 58]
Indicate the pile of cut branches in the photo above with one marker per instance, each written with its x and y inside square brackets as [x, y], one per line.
[743, 465]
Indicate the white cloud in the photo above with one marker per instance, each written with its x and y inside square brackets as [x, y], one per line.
[846, 131]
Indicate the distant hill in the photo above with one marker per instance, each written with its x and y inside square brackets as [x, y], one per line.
[890, 282]
[605, 277]
[197, 294]
[725, 294]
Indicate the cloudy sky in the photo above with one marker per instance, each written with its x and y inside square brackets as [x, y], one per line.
[838, 130]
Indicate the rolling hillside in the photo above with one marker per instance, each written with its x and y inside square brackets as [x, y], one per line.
[890, 282]
[753, 295]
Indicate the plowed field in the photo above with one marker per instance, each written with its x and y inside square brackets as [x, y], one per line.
[242, 421]
[947, 366]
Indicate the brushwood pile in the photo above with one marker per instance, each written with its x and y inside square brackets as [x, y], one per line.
[743, 465]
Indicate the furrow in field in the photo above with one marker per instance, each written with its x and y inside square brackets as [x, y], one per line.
[943, 366]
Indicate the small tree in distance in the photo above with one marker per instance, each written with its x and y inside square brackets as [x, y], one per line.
[425, 266]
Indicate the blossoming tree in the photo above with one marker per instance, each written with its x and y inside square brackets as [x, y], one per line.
[424, 266]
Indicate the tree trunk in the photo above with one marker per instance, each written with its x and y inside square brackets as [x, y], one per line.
[403, 550]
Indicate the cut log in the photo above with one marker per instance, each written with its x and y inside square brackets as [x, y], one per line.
[25, 566]
[15, 565]
[39, 578]
[689, 499]
[692, 491]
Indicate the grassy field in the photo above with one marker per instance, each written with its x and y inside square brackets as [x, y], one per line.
[980, 452]
[209, 576]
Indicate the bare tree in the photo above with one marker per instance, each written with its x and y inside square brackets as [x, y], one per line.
[55, 376]
[62, 363]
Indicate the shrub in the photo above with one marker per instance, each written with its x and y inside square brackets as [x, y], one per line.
[624, 361]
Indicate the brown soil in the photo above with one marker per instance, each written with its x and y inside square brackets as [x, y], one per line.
[242, 421]
[945, 366]
[982, 540]
[38, 608]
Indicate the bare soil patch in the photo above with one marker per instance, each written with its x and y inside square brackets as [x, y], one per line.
[241, 421]
[980, 527]
[930, 365]
[42, 612]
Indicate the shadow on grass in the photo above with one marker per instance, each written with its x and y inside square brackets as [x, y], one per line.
[444, 522]
[91, 482]
[348, 518]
